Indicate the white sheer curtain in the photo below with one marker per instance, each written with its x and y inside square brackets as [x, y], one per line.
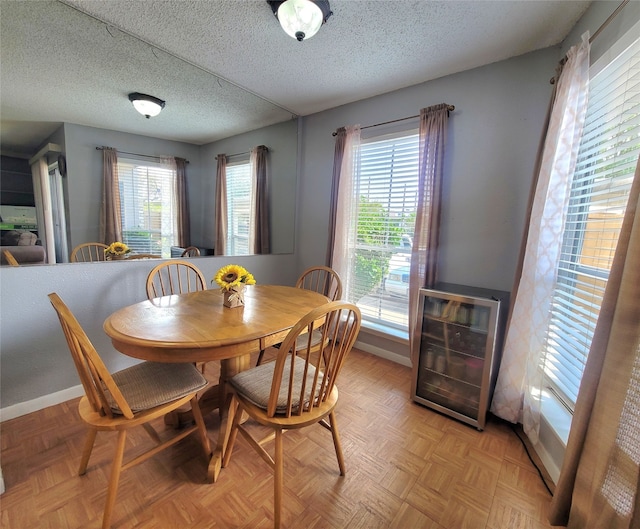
[345, 182]
[517, 392]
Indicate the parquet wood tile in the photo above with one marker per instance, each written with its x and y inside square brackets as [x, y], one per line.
[407, 467]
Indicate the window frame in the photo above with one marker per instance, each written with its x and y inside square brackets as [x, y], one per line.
[238, 243]
[377, 303]
[161, 243]
[572, 274]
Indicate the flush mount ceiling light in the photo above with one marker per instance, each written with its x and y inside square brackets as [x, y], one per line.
[147, 105]
[301, 19]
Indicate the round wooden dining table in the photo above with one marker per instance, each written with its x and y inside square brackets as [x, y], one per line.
[197, 327]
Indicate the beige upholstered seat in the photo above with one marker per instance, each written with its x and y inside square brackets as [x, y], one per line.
[271, 396]
[129, 398]
[88, 252]
[174, 277]
[191, 251]
[323, 280]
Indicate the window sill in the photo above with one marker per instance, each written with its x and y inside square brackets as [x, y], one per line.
[557, 416]
[390, 333]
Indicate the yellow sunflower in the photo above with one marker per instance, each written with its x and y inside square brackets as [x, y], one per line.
[117, 248]
[232, 275]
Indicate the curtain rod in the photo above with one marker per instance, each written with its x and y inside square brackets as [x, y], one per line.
[450, 108]
[606, 22]
[598, 31]
[134, 153]
[239, 153]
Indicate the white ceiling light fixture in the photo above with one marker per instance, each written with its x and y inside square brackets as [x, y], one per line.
[145, 104]
[301, 19]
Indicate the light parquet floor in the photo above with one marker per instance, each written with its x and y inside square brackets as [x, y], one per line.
[407, 467]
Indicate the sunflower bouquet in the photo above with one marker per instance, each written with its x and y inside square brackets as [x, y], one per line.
[116, 249]
[232, 279]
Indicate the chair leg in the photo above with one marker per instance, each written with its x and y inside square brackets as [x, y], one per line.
[278, 480]
[116, 467]
[86, 451]
[260, 356]
[336, 442]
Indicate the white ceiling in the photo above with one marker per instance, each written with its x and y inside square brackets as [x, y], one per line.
[225, 66]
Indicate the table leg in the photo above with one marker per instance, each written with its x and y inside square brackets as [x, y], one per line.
[228, 368]
[208, 401]
[213, 396]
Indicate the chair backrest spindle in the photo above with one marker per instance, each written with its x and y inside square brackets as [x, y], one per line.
[174, 277]
[321, 279]
[311, 371]
[88, 252]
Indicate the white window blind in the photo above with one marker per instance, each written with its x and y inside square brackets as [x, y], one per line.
[239, 217]
[148, 206]
[606, 164]
[386, 195]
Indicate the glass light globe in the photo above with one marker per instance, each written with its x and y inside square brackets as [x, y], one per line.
[301, 19]
[147, 108]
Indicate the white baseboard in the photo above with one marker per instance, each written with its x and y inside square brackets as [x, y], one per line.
[23, 408]
[383, 353]
[549, 463]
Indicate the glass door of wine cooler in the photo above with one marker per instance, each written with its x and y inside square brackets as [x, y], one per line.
[460, 339]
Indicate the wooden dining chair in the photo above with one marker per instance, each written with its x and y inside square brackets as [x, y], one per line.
[291, 392]
[321, 279]
[126, 399]
[174, 277]
[9, 257]
[191, 251]
[89, 252]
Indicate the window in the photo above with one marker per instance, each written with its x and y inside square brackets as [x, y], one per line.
[605, 167]
[239, 201]
[386, 189]
[148, 206]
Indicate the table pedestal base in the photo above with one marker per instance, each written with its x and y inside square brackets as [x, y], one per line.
[208, 401]
[214, 397]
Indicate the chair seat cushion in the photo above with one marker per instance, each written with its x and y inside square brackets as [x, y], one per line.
[150, 384]
[255, 384]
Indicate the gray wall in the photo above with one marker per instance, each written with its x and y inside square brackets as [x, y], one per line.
[84, 181]
[84, 170]
[35, 358]
[493, 137]
[282, 141]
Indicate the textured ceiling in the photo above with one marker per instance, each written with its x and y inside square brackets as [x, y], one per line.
[225, 66]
